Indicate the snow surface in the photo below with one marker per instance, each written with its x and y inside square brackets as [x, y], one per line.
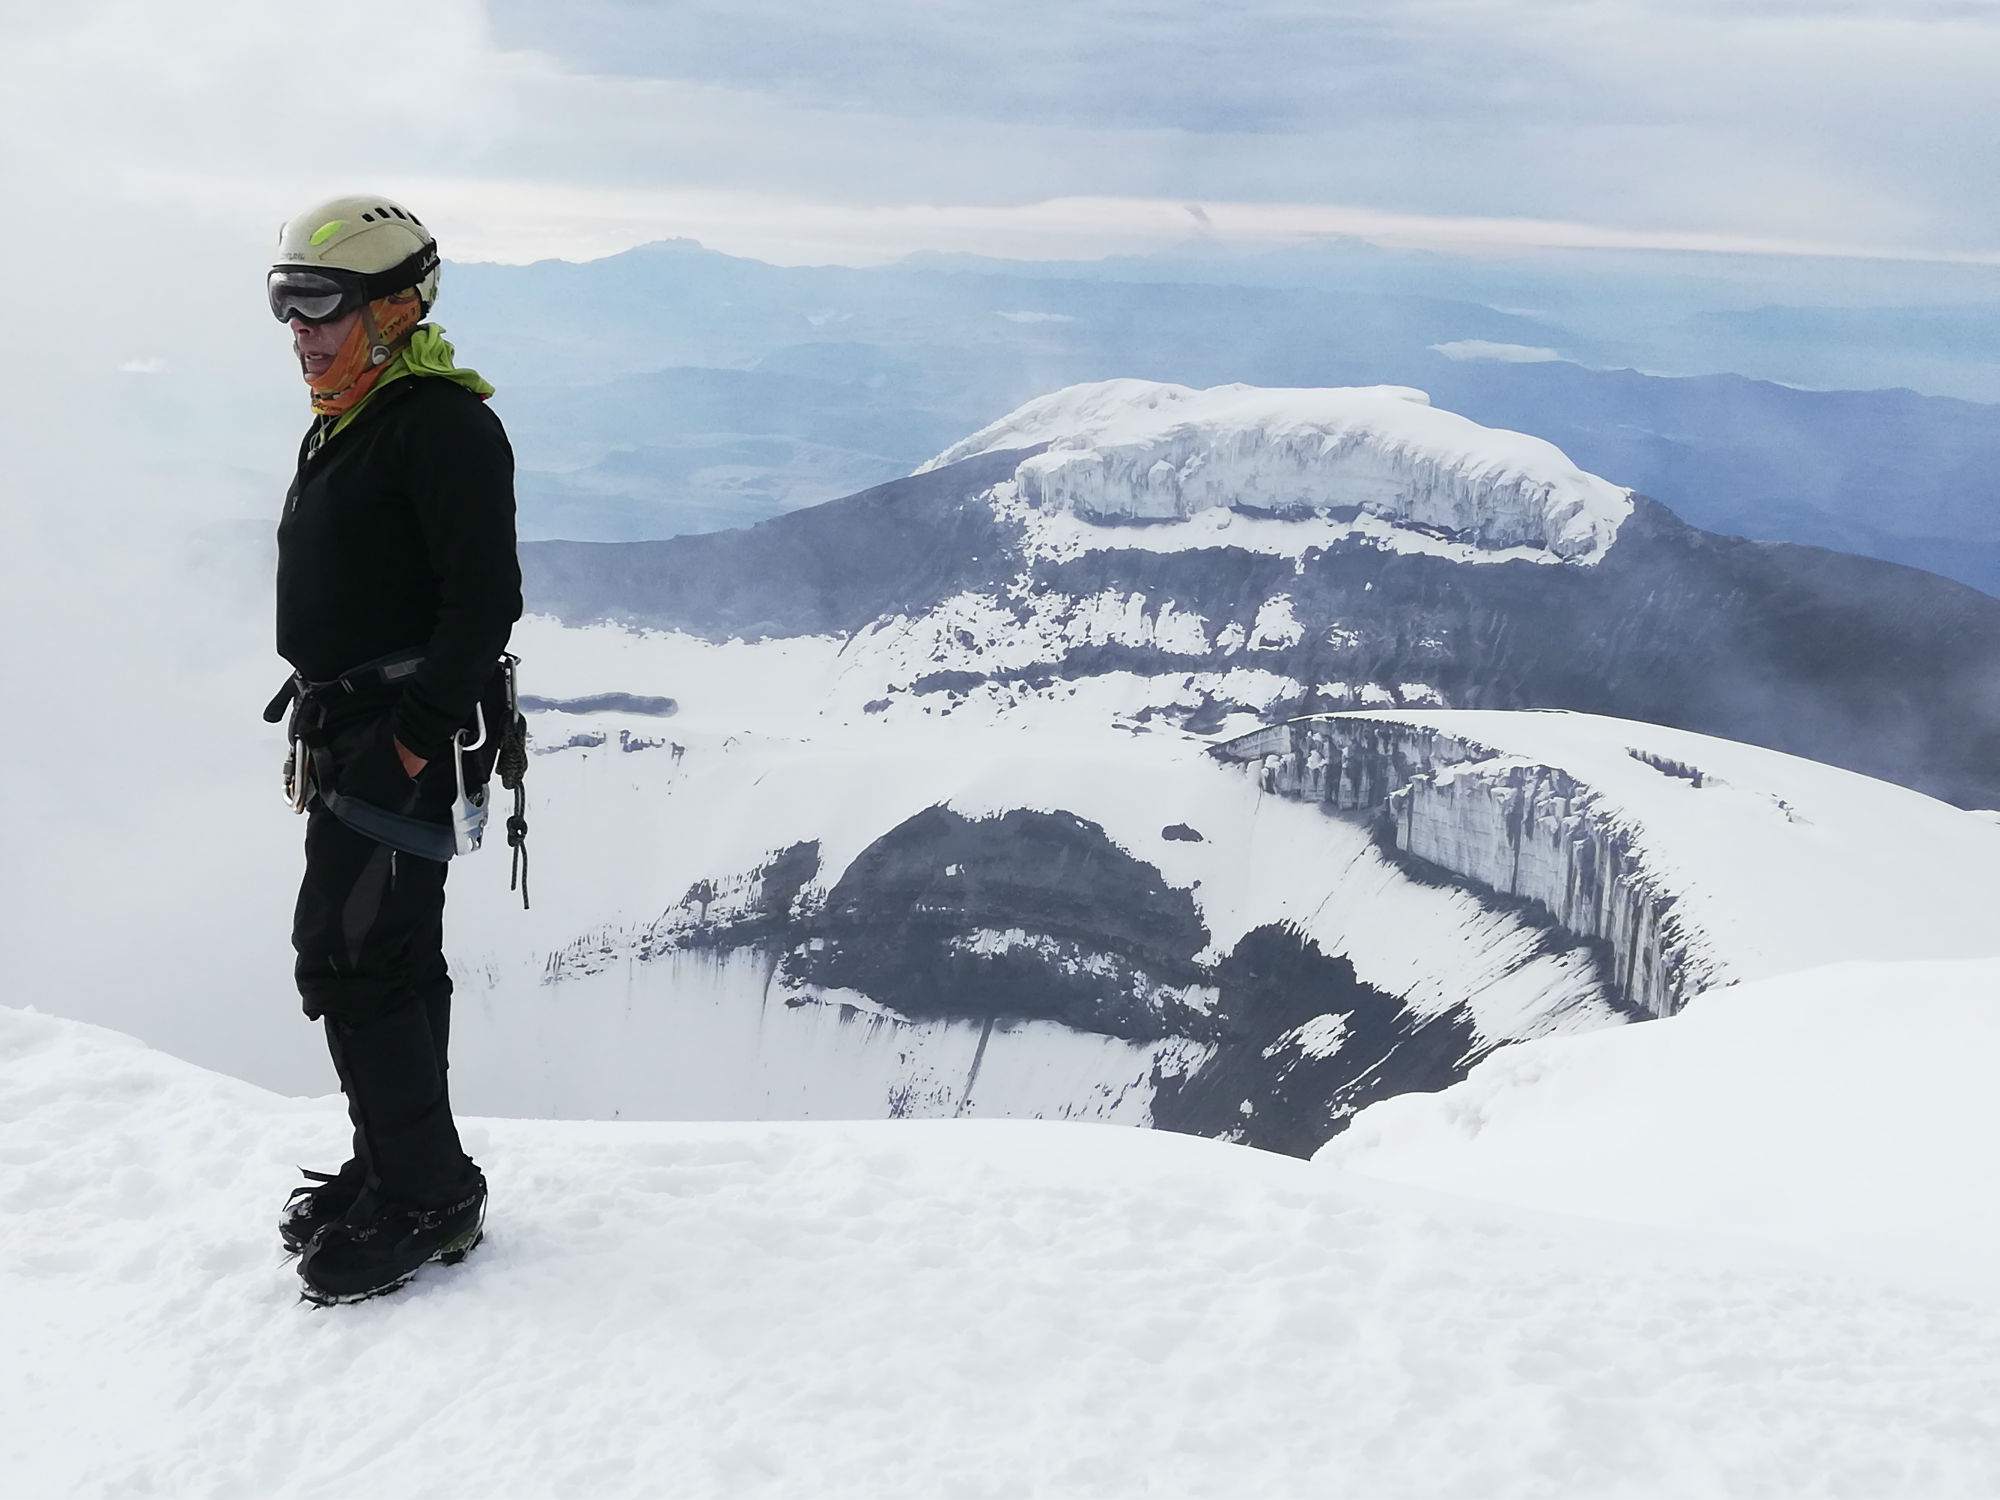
[947, 1308]
[1847, 1112]
[1125, 450]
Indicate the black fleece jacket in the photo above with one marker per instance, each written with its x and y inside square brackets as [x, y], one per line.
[398, 535]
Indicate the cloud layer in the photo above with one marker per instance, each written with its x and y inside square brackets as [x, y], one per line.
[860, 132]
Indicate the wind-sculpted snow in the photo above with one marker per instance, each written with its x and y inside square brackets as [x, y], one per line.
[913, 1309]
[1694, 862]
[1134, 450]
[1842, 1112]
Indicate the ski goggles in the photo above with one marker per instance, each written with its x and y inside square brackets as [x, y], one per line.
[320, 294]
[312, 296]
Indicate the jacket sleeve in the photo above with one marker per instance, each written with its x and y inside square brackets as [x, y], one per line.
[460, 472]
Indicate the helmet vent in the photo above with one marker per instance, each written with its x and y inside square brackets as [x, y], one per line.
[368, 218]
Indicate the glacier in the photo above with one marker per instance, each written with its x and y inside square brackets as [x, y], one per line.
[1133, 450]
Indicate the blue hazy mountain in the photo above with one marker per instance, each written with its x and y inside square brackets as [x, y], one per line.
[672, 389]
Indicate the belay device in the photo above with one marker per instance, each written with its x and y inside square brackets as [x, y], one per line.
[510, 764]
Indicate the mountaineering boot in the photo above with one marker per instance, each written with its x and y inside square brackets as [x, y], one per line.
[379, 1245]
[318, 1203]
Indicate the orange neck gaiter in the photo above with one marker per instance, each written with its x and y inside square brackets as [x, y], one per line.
[352, 375]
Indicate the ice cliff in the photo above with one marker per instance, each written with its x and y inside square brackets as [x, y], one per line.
[1137, 450]
[1692, 861]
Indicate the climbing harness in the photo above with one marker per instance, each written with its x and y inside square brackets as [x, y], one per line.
[308, 773]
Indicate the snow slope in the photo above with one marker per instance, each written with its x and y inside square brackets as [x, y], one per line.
[891, 1309]
[594, 1003]
[1142, 450]
[1847, 1112]
[603, 1003]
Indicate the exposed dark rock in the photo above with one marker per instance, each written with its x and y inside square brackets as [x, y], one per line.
[759, 909]
[1027, 915]
[1040, 916]
[1305, 1044]
[1181, 833]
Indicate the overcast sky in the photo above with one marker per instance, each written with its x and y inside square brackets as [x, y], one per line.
[809, 130]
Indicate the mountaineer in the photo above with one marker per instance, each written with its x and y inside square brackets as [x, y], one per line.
[398, 586]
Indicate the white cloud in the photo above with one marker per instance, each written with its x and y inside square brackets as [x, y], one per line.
[1860, 122]
[519, 220]
[803, 131]
[1506, 354]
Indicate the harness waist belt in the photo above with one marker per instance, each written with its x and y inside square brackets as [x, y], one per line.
[370, 677]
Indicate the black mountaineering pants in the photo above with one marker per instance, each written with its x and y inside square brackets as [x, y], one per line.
[396, 543]
[369, 931]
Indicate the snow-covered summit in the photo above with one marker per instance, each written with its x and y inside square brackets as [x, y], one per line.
[1140, 450]
[916, 1308]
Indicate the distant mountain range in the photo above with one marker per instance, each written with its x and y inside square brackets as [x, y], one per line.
[672, 390]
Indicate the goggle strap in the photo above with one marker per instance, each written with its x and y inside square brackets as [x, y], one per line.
[406, 273]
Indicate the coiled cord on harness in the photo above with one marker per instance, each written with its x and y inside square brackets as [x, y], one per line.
[511, 767]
